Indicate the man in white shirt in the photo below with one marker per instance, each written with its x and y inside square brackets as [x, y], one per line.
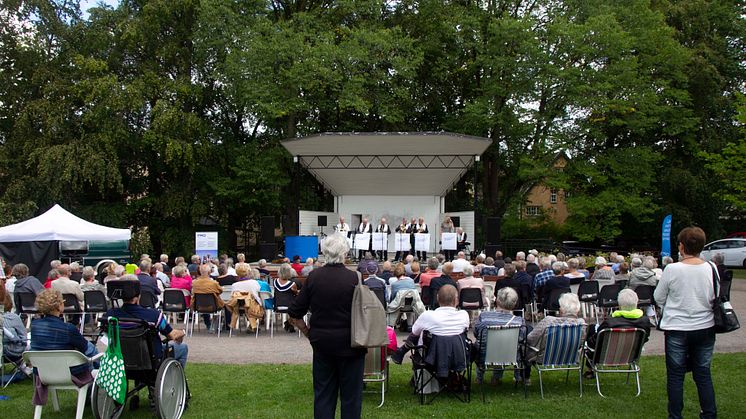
[161, 275]
[65, 285]
[445, 320]
[460, 262]
[383, 228]
[342, 228]
[364, 227]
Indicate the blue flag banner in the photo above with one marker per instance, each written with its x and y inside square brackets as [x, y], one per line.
[666, 236]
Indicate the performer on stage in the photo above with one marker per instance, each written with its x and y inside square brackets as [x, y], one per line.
[421, 227]
[460, 239]
[447, 227]
[383, 255]
[412, 230]
[342, 228]
[402, 228]
[364, 227]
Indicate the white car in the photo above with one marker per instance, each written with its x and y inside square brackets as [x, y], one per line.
[733, 250]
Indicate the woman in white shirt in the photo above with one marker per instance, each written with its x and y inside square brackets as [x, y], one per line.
[686, 293]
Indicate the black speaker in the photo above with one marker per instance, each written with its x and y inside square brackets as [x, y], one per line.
[456, 221]
[268, 229]
[322, 221]
[267, 251]
[490, 249]
[493, 230]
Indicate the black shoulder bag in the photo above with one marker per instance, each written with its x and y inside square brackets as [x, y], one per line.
[725, 318]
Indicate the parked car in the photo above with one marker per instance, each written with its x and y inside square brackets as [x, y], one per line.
[733, 250]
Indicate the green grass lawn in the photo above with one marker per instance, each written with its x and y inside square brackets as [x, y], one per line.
[275, 391]
[739, 273]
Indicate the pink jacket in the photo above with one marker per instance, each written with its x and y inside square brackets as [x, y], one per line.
[184, 283]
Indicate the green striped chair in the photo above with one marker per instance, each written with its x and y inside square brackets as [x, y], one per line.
[617, 351]
[562, 352]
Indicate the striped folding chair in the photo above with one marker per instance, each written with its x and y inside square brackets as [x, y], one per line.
[562, 352]
[377, 369]
[617, 351]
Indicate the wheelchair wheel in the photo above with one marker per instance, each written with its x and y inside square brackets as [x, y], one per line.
[103, 406]
[170, 389]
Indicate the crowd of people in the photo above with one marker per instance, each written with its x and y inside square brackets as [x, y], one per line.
[683, 290]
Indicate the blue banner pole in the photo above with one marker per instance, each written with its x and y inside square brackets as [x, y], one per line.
[666, 236]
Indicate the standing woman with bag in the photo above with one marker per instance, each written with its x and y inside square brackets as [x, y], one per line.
[686, 293]
[337, 366]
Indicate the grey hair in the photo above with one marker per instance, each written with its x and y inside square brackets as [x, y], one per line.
[520, 255]
[164, 257]
[650, 262]
[506, 298]
[89, 272]
[627, 299]
[255, 273]
[75, 266]
[569, 304]
[572, 263]
[205, 269]
[179, 270]
[262, 263]
[468, 271]
[119, 270]
[286, 271]
[546, 262]
[145, 266]
[557, 267]
[433, 263]
[335, 248]
[620, 258]
[636, 262]
[509, 269]
[666, 260]
[530, 258]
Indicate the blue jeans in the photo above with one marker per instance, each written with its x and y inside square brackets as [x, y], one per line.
[181, 350]
[690, 351]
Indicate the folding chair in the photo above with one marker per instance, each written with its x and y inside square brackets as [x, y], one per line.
[377, 369]
[470, 299]
[283, 300]
[26, 305]
[503, 351]
[562, 352]
[147, 299]
[94, 303]
[607, 298]
[553, 301]
[174, 303]
[588, 296]
[406, 309]
[427, 377]
[617, 351]
[5, 359]
[72, 309]
[269, 315]
[489, 291]
[205, 304]
[53, 369]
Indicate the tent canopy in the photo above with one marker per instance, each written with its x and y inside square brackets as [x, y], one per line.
[402, 163]
[59, 224]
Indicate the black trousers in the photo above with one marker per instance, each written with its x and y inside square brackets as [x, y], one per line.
[337, 375]
[383, 255]
[400, 255]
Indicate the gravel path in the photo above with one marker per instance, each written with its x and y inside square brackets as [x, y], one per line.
[288, 348]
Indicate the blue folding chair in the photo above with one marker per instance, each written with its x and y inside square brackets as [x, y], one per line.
[562, 352]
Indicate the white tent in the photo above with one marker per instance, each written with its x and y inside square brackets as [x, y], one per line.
[58, 224]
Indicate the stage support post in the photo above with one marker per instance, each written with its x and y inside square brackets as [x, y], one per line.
[477, 217]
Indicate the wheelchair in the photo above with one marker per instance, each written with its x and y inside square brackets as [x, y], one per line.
[164, 378]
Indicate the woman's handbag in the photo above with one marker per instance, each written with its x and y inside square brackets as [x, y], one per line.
[111, 375]
[725, 318]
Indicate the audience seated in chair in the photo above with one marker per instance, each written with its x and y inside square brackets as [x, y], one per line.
[372, 281]
[568, 314]
[132, 309]
[247, 289]
[628, 315]
[446, 320]
[50, 332]
[206, 285]
[437, 283]
[506, 301]
[470, 281]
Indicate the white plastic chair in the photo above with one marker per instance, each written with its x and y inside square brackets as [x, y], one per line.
[53, 369]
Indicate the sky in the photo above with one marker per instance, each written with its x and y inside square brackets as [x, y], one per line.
[87, 4]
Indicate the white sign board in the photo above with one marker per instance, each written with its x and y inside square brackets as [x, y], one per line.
[362, 240]
[206, 244]
[401, 242]
[448, 241]
[422, 242]
[380, 241]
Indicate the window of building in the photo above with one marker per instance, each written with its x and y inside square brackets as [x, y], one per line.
[532, 210]
[553, 195]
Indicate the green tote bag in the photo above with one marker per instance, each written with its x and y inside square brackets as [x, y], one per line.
[111, 376]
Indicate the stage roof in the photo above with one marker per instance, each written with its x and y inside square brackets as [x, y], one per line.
[387, 163]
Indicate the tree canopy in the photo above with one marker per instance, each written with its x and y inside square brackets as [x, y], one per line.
[166, 115]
